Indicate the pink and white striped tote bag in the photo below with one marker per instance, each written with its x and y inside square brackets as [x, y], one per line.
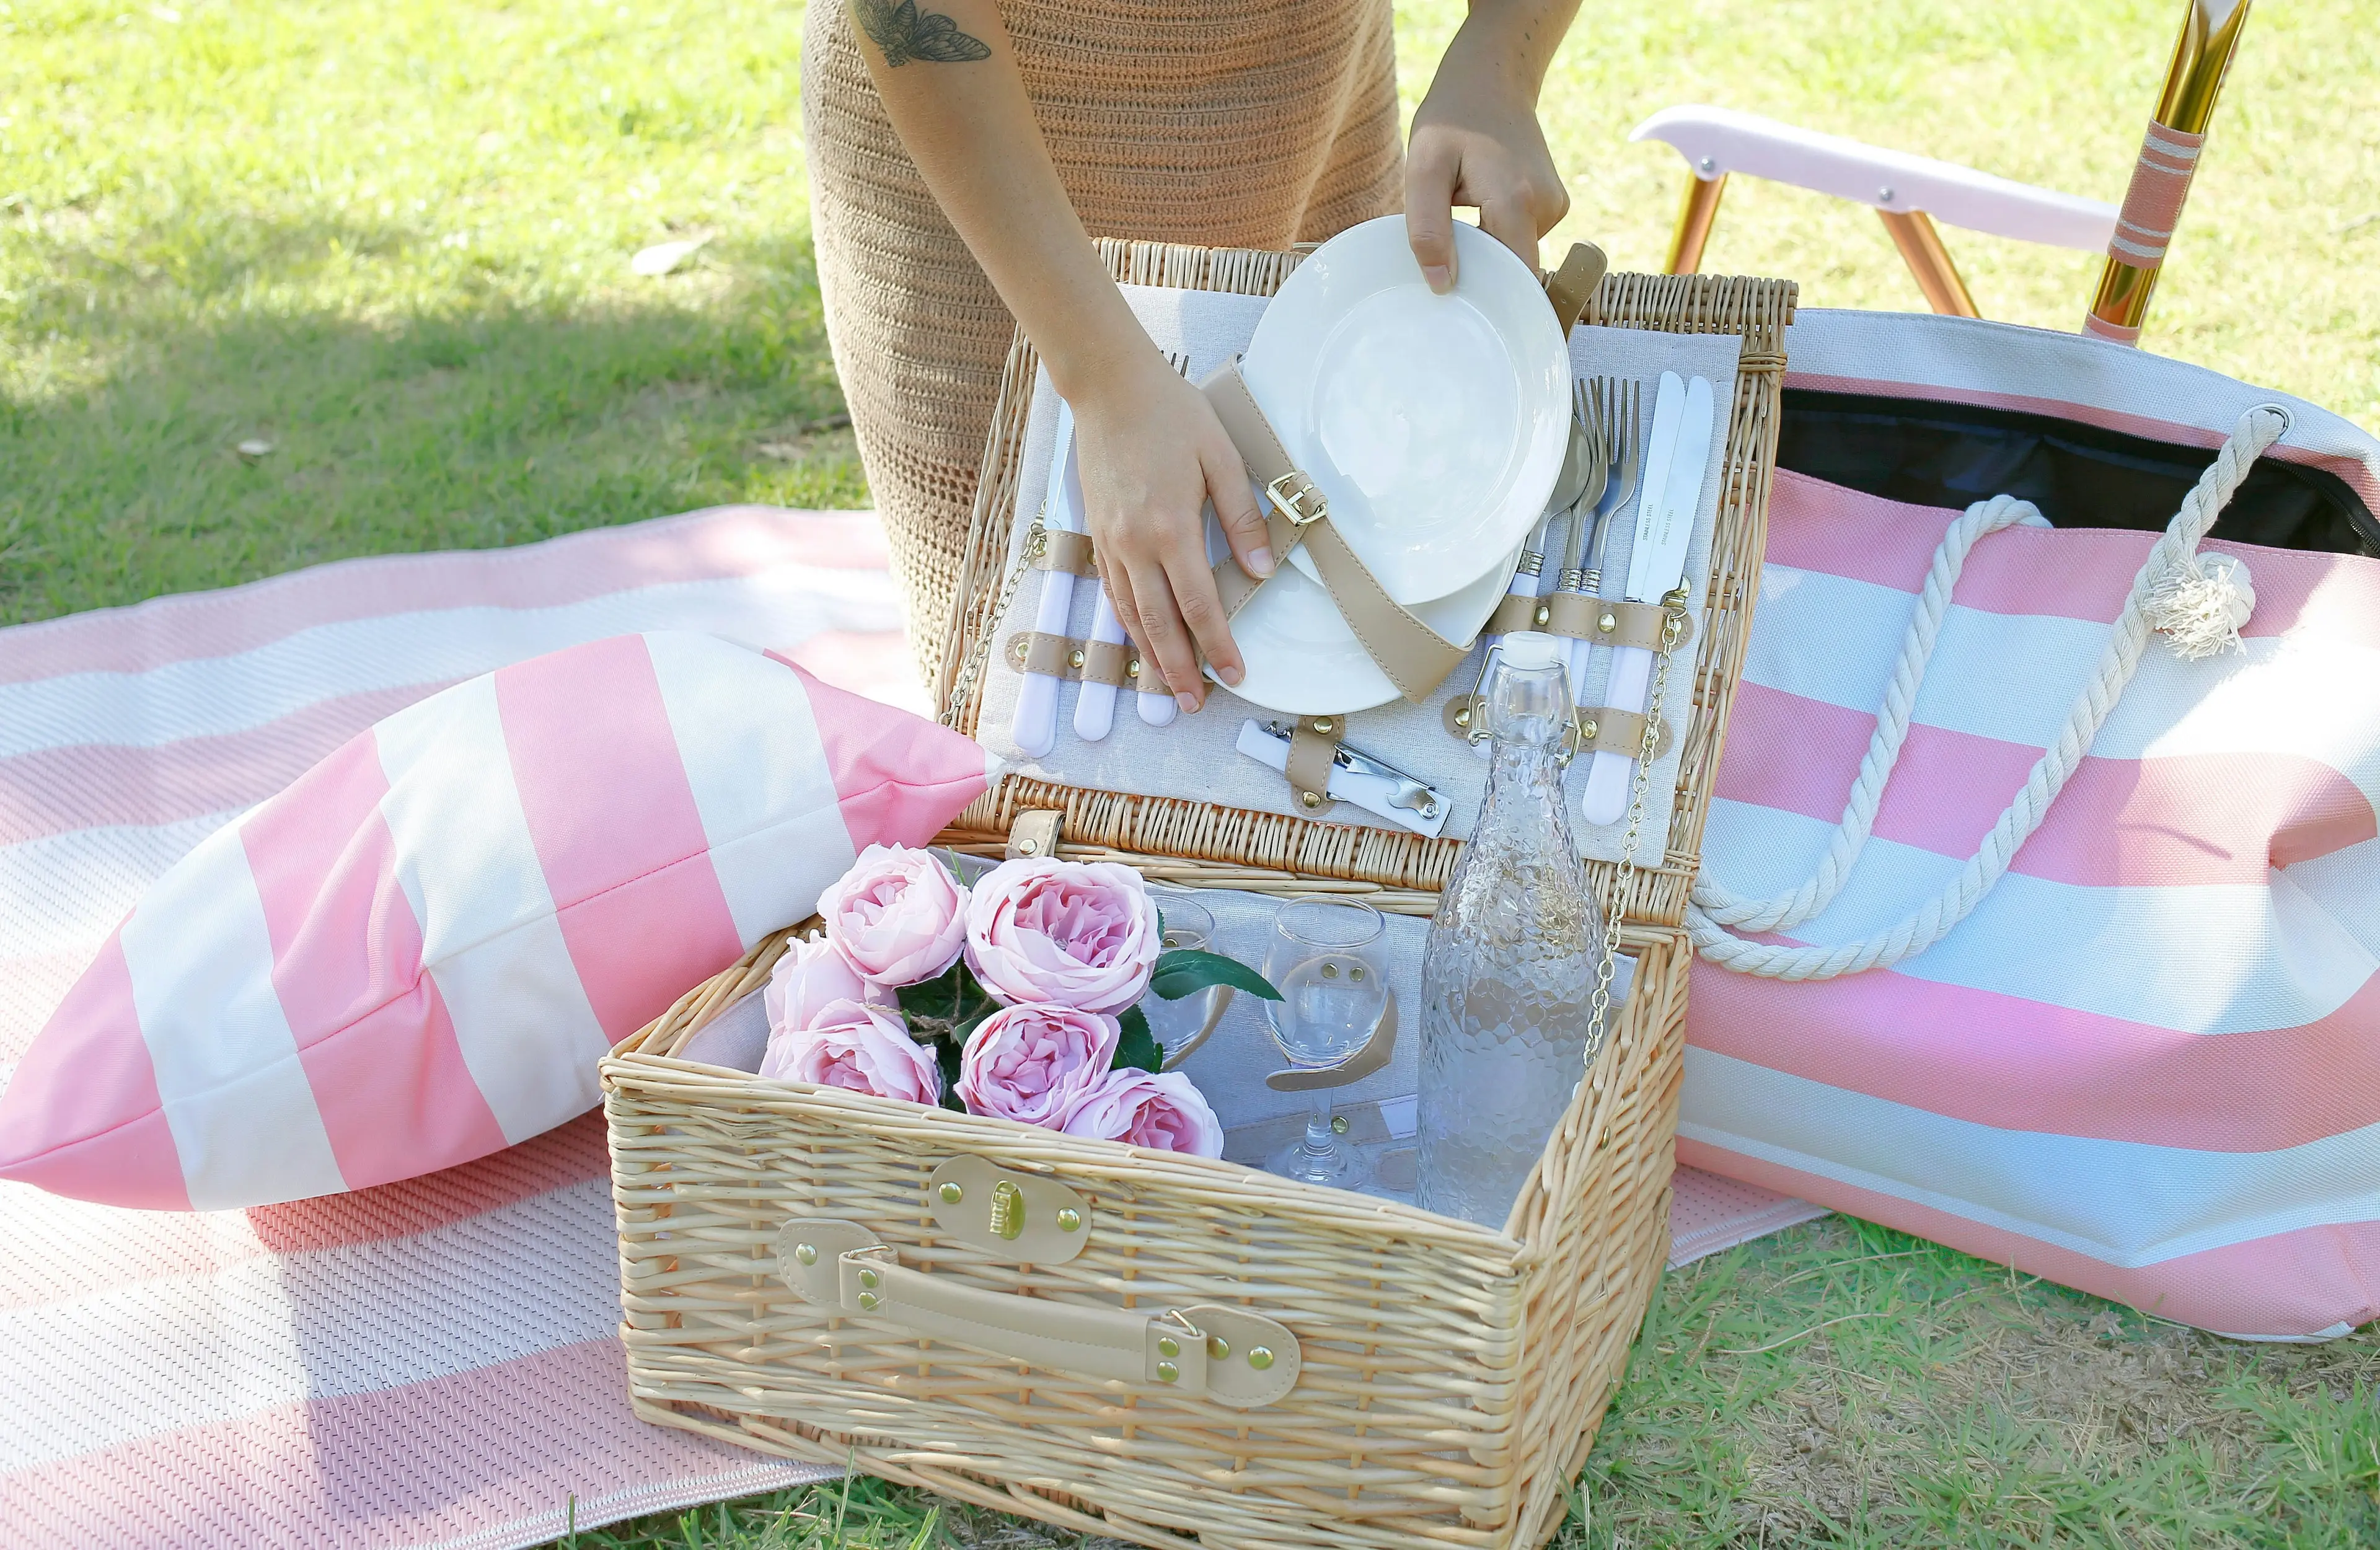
[2024, 928]
[415, 955]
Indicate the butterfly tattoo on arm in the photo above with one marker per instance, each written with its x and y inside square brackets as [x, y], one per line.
[905, 34]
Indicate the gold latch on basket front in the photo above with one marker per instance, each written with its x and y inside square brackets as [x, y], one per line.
[1010, 1212]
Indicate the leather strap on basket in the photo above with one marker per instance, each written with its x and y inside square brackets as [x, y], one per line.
[1312, 751]
[1417, 658]
[1088, 661]
[1604, 621]
[1055, 549]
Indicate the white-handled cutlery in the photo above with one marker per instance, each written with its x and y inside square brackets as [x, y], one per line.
[1035, 728]
[1375, 785]
[1675, 455]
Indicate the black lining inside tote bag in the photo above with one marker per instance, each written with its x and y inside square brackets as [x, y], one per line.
[1953, 455]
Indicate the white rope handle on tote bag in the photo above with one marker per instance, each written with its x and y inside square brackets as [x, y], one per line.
[1714, 912]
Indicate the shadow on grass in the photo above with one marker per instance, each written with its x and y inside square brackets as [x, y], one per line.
[493, 414]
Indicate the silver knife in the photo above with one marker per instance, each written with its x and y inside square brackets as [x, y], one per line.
[1665, 527]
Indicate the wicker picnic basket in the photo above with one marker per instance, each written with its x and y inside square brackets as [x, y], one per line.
[1365, 1372]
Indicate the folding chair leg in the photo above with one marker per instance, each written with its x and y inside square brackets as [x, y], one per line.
[1695, 218]
[2210, 34]
[1922, 250]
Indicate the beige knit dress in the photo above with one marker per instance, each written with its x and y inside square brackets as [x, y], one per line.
[1239, 123]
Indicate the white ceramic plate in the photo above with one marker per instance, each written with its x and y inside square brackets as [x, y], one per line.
[1435, 424]
[1300, 658]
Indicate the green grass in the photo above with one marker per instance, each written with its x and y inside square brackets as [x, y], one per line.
[393, 240]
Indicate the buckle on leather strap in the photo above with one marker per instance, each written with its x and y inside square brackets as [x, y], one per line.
[1294, 494]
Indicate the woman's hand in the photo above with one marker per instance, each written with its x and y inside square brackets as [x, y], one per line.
[1152, 453]
[1476, 140]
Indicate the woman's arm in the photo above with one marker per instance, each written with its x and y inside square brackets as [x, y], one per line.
[1475, 138]
[1150, 449]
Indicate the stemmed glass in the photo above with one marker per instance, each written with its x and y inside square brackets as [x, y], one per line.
[1187, 926]
[1323, 957]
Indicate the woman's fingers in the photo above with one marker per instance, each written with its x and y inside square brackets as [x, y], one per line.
[1243, 521]
[1164, 636]
[1431, 166]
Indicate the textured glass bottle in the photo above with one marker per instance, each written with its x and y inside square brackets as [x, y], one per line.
[1509, 973]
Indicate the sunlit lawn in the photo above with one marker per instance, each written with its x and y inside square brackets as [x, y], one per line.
[391, 241]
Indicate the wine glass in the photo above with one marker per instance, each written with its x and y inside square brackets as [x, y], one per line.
[1187, 926]
[1324, 958]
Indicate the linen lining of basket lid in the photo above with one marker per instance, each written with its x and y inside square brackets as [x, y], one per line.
[1209, 844]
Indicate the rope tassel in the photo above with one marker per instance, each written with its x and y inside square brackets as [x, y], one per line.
[2200, 607]
[2199, 601]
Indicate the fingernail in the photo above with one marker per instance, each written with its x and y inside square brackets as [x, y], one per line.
[1260, 565]
[1441, 277]
[1188, 702]
[1230, 675]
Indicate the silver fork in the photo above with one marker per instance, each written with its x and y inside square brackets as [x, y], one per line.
[1621, 428]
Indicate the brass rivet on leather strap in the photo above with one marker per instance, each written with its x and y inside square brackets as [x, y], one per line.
[1545, 614]
[1606, 623]
[1069, 1218]
[1217, 1348]
[1020, 648]
[869, 1301]
[1167, 1372]
[1337, 1124]
[1586, 729]
[1168, 1346]
[1026, 847]
[1007, 1210]
[951, 1194]
[1462, 716]
[1132, 668]
[1330, 970]
[1260, 1357]
[1322, 724]
[869, 1277]
[1074, 659]
[806, 1253]
[1311, 798]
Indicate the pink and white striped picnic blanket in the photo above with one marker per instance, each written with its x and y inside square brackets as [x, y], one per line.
[425, 1363]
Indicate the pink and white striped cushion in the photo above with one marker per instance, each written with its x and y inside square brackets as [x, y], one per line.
[415, 955]
[2148, 1064]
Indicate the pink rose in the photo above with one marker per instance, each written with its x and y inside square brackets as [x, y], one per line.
[857, 1047]
[897, 917]
[809, 976]
[1028, 1062]
[1147, 1109]
[1078, 934]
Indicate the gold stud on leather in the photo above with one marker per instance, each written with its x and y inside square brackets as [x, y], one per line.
[1261, 1357]
[1167, 1372]
[1462, 716]
[1217, 1348]
[1310, 798]
[1322, 724]
[806, 1254]
[1020, 648]
[1069, 1219]
[1168, 1346]
[1586, 729]
[951, 1194]
[869, 1279]
[1007, 1208]
[1330, 970]
[1132, 668]
[1545, 614]
[869, 1301]
[1074, 659]
[1337, 1124]
[1606, 623]
[1026, 847]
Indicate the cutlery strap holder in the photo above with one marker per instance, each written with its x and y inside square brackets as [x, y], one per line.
[1056, 549]
[1603, 728]
[1604, 621]
[1415, 658]
[1312, 753]
[1082, 661]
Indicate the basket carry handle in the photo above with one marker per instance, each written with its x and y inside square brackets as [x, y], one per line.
[1233, 1357]
[1714, 915]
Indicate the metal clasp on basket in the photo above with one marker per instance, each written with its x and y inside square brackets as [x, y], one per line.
[1291, 492]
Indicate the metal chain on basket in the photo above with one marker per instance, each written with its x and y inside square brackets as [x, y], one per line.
[1673, 621]
[963, 683]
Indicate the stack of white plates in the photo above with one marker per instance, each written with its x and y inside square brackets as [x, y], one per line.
[1434, 424]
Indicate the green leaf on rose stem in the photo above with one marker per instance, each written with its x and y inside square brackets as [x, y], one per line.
[933, 998]
[1185, 971]
[947, 1054]
[1138, 1049]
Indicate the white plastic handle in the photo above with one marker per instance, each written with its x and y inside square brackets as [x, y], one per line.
[1035, 727]
[1095, 703]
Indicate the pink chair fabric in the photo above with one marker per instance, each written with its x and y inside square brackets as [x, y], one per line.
[414, 954]
[2148, 1064]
